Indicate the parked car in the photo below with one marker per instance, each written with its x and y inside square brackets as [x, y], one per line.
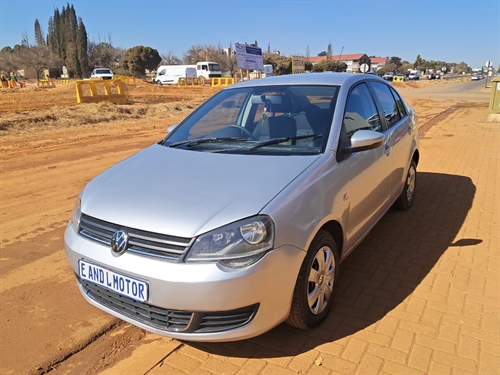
[240, 217]
[101, 73]
[388, 76]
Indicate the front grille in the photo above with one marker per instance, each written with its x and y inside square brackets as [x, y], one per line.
[170, 320]
[140, 241]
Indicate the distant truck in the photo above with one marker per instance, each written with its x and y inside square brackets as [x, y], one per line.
[170, 74]
[207, 69]
[414, 74]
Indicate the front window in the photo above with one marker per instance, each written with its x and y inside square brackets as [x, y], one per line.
[271, 120]
[214, 67]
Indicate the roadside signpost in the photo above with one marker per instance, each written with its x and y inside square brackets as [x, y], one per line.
[249, 58]
[487, 64]
[363, 68]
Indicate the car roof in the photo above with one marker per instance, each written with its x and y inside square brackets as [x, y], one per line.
[321, 78]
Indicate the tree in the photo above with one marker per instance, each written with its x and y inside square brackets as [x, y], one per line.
[395, 61]
[170, 59]
[67, 39]
[102, 55]
[82, 48]
[39, 39]
[140, 58]
[418, 62]
[329, 66]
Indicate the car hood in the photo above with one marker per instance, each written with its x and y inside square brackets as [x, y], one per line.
[187, 193]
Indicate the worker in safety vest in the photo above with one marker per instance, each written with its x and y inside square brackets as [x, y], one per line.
[13, 80]
[4, 80]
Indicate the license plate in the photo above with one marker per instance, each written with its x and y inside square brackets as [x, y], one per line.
[124, 285]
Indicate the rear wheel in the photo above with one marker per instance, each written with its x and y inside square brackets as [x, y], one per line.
[316, 283]
[405, 200]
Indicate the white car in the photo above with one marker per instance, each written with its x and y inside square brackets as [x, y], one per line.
[102, 73]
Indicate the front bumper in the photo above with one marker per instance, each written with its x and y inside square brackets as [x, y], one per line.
[258, 296]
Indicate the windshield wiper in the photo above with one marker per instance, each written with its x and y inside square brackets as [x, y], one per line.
[275, 141]
[194, 142]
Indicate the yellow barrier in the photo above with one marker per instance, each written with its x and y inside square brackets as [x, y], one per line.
[64, 81]
[198, 81]
[125, 79]
[222, 81]
[398, 79]
[95, 91]
[45, 83]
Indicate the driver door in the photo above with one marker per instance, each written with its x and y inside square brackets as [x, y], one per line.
[369, 171]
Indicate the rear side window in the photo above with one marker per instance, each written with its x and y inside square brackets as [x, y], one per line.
[388, 99]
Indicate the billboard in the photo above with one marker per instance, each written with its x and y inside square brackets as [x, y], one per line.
[248, 57]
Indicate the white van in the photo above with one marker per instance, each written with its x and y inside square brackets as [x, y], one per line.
[170, 74]
[414, 74]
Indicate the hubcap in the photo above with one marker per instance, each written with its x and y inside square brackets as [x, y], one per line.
[321, 280]
[410, 181]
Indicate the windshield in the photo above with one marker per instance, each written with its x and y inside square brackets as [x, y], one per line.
[214, 67]
[103, 71]
[271, 120]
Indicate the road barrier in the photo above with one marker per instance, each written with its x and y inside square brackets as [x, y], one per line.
[125, 79]
[197, 81]
[95, 91]
[45, 83]
[222, 81]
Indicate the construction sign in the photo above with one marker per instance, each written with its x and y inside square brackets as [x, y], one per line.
[298, 64]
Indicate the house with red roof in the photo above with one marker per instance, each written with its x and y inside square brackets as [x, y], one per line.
[353, 61]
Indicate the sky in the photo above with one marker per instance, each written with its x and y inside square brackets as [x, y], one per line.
[441, 30]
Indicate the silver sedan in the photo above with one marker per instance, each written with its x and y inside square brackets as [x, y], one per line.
[240, 217]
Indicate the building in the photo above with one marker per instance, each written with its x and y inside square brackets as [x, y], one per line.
[353, 61]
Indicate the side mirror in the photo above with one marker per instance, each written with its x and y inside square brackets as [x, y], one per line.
[363, 140]
[171, 128]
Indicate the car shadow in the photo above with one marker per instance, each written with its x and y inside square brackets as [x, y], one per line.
[381, 273]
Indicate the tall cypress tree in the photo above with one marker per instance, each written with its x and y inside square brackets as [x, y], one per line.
[67, 39]
[38, 34]
[82, 47]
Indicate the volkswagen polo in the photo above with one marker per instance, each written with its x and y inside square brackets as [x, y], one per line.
[239, 219]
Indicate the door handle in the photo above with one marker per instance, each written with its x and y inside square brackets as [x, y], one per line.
[387, 150]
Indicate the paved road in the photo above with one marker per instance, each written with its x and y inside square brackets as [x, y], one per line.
[470, 91]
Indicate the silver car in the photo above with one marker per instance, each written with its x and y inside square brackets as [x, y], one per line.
[240, 217]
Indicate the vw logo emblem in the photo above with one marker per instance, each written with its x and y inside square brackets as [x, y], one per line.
[119, 242]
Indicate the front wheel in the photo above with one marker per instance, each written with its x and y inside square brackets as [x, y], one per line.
[158, 82]
[316, 283]
[405, 200]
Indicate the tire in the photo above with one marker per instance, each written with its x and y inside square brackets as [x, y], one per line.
[158, 82]
[316, 283]
[405, 199]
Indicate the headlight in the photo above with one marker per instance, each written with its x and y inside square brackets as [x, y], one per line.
[235, 245]
[75, 216]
